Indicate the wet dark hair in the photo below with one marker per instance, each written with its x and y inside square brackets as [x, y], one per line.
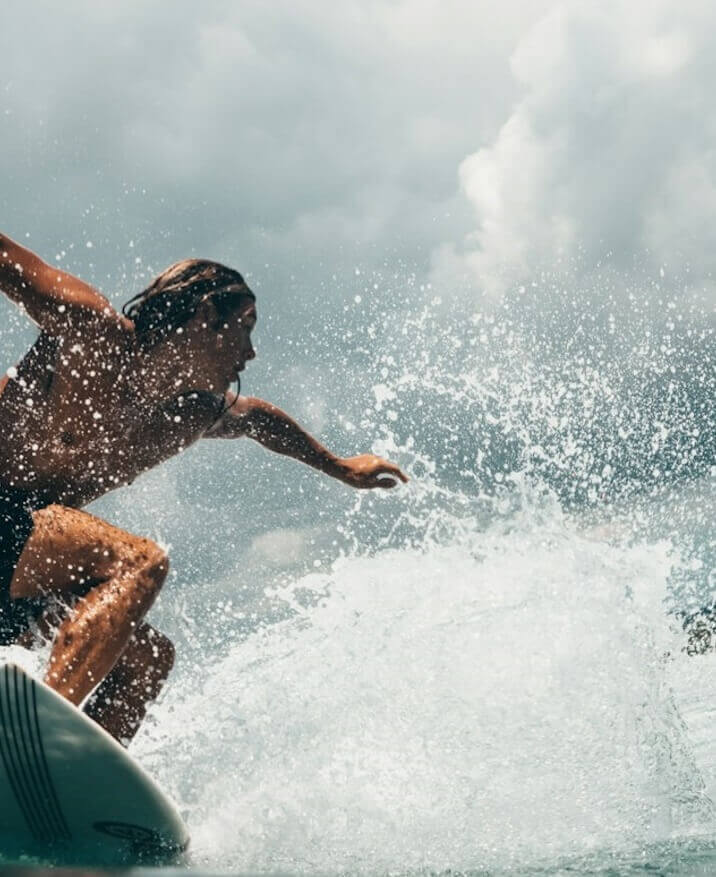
[173, 297]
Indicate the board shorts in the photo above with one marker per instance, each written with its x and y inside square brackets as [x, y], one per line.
[16, 507]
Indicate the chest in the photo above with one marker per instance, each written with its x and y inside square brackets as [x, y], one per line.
[67, 383]
[66, 411]
[76, 426]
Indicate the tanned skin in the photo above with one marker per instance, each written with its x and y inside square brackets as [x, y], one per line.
[90, 407]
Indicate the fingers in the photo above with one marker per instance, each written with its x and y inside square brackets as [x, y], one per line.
[392, 469]
[386, 482]
[374, 472]
[392, 474]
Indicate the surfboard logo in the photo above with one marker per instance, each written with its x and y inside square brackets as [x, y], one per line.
[127, 831]
[143, 841]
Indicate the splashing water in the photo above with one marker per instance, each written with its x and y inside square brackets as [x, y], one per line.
[497, 699]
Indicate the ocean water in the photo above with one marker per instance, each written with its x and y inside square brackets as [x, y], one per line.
[483, 672]
[513, 696]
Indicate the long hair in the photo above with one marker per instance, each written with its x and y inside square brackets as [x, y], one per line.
[173, 297]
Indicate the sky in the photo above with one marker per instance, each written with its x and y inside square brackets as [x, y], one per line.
[336, 154]
[472, 144]
[300, 135]
[608, 152]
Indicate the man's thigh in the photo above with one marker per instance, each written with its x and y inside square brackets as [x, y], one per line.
[70, 550]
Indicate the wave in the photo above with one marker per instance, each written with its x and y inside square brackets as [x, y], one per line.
[488, 699]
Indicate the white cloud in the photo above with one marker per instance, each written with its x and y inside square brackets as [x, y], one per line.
[608, 155]
[275, 129]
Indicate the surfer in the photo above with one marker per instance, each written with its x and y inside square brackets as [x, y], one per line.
[99, 398]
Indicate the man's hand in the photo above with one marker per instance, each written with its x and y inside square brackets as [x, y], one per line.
[364, 471]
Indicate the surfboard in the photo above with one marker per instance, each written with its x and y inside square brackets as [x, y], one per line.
[69, 793]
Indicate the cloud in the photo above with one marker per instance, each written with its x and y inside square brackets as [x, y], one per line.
[608, 155]
[246, 131]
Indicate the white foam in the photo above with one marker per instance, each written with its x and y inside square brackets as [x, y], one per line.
[32, 662]
[500, 698]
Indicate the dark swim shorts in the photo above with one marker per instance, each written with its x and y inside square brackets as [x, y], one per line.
[15, 528]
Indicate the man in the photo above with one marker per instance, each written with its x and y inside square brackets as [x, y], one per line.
[99, 398]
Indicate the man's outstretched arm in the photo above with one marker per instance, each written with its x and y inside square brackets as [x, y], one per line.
[275, 430]
[49, 295]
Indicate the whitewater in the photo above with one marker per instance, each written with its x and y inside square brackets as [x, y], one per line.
[499, 700]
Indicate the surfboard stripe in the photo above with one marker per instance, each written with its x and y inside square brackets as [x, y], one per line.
[27, 762]
[44, 784]
[9, 757]
[35, 734]
[55, 829]
[24, 758]
[15, 758]
[10, 771]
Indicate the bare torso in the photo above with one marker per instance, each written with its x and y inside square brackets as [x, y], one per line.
[75, 424]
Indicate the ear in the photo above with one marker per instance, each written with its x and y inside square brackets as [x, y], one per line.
[206, 313]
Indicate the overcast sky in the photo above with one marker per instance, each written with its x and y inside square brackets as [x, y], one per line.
[607, 155]
[289, 134]
[478, 146]
[305, 138]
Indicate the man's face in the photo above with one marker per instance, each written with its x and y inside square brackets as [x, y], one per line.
[210, 350]
[234, 339]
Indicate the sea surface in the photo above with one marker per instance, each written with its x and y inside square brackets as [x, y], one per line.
[484, 672]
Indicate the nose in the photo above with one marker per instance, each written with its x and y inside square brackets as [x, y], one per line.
[251, 353]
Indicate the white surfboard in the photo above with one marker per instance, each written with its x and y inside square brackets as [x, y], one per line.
[69, 793]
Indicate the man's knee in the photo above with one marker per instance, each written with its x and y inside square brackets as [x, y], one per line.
[149, 560]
